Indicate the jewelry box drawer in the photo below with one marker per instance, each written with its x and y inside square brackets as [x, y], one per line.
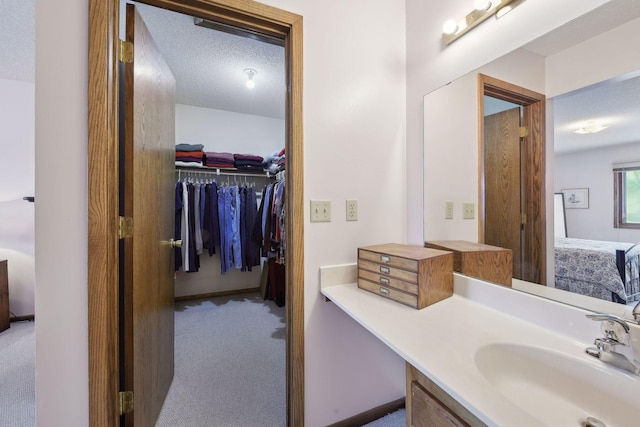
[388, 260]
[390, 282]
[387, 292]
[407, 276]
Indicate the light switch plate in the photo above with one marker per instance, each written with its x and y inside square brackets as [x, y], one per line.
[448, 210]
[352, 210]
[468, 210]
[320, 211]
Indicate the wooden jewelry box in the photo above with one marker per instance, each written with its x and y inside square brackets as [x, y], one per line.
[412, 275]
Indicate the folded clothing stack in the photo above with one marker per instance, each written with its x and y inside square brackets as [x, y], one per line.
[248, 161]
[189, 154]
[218, 160]
[276, 161]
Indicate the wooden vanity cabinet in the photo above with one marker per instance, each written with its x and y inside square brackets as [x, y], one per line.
[478, 260]
[427, 405]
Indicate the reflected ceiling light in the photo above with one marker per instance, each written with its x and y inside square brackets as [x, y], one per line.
[591, 127]
[250, 72]
[452, 29]
[482, 4]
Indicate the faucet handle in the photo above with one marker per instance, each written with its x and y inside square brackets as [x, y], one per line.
[636, 312]
[612, 327]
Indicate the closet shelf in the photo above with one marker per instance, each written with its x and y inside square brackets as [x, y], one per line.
[224, 171]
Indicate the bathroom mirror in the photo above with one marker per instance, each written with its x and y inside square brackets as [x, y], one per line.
[598, 49]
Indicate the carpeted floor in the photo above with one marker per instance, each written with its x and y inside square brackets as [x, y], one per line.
[394, 419]
[230, 367]
[17, 375]
[230, 364]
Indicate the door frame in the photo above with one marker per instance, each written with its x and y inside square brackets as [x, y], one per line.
[533, 171]
[102, 281]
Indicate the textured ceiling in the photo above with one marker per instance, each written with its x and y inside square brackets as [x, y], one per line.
[208, 65]
[17, 40]
[615, 103]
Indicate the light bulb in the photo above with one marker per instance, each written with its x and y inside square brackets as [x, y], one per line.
[250, 72]
[450, 27]
[482, 5]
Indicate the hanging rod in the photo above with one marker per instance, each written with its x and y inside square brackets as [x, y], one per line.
[218, 172]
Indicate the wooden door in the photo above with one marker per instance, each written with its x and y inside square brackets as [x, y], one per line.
[149, 200]
[502, 184]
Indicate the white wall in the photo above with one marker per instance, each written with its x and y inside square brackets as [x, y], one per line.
[225, 131]
[592, 169]
[354, 139]
[61, 214]
[17, 163]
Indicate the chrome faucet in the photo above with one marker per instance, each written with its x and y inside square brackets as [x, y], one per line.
[620, 345]
[636, 312]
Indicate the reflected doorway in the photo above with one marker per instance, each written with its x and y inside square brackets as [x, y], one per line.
[511, 174]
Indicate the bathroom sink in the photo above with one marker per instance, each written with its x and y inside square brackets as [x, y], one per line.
[560, 389]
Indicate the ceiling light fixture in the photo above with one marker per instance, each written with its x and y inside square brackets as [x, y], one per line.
[452, 29]
[250, 72]
[590, 127]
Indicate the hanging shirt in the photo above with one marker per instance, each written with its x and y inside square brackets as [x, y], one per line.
[185, 227]
[197, 226]
[178, 224]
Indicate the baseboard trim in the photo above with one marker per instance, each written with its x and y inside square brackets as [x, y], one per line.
[216, 294]
[29, 317]
[371, 415]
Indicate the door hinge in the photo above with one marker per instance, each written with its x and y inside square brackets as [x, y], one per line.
[523, 217]
[125, 51]
[125, 227]
[523, 131]
[125, 402]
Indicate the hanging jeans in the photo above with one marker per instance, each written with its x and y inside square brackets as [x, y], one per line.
[226, 234]
[235, 228]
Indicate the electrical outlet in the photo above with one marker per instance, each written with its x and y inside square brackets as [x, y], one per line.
[468, 210]
[320, 211]
[448, 210]
[352, 210]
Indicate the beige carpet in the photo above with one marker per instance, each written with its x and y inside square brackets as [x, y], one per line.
[230, 364]
[17, 375]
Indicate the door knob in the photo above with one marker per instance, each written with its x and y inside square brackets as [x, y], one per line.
[173, 243]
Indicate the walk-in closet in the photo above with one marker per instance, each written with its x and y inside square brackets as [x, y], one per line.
[229, 250]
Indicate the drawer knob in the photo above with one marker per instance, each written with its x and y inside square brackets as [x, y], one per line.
[384, 280]
[385, 270]
[384, 291]
[385, 258]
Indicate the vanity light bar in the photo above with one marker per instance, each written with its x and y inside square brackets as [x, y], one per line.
[454, 30]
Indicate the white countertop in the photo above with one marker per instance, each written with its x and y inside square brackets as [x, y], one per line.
[442, 339]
